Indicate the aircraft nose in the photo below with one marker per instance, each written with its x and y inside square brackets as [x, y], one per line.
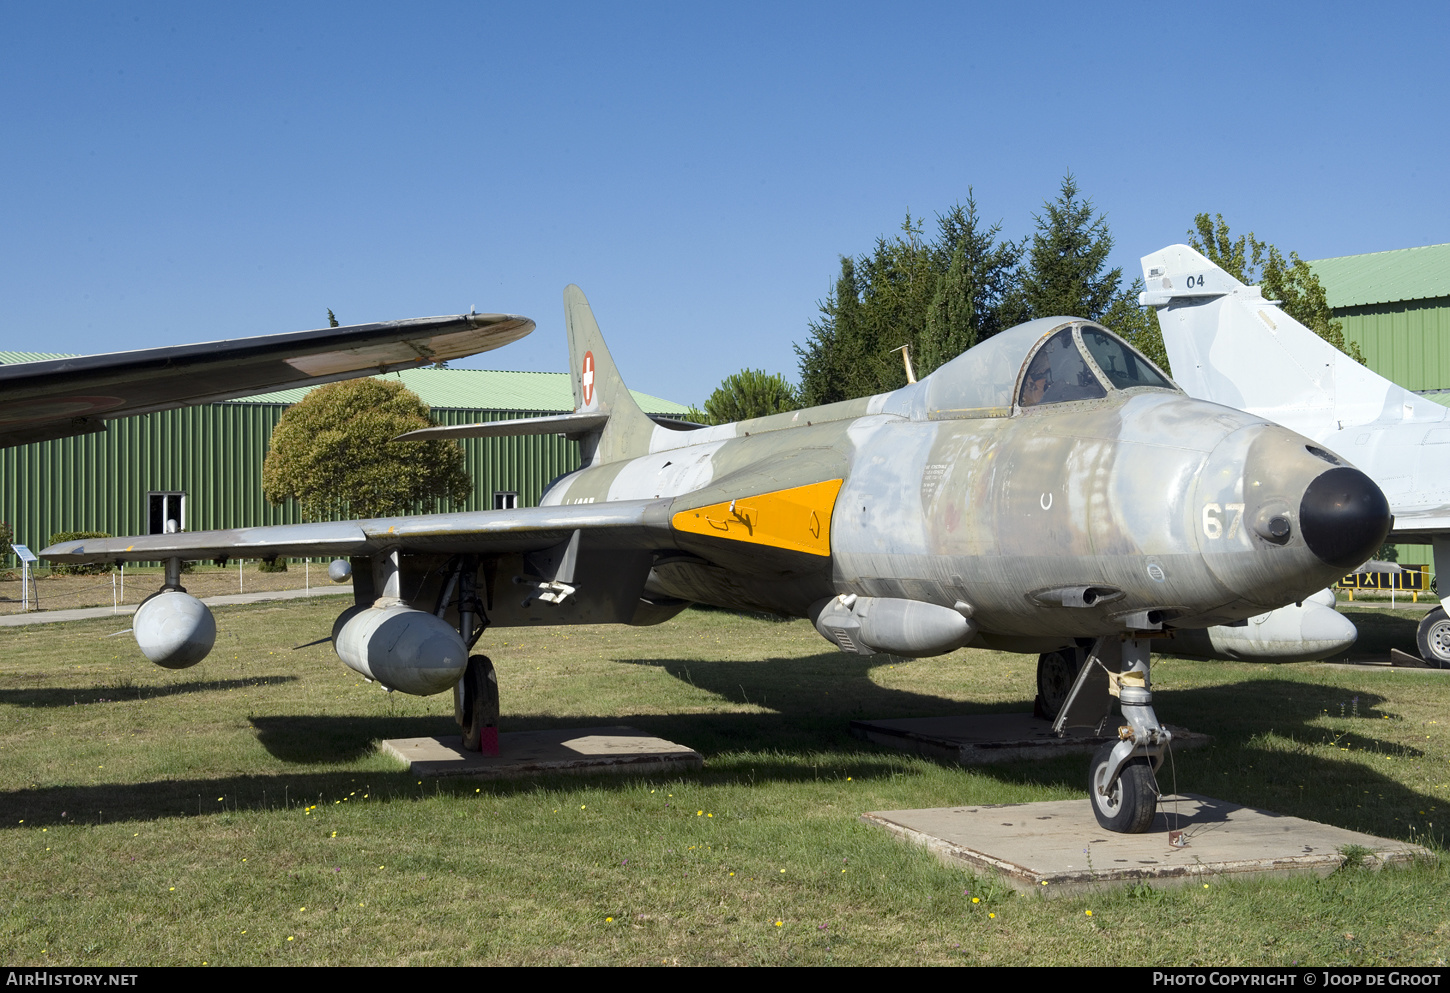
[1344, 517]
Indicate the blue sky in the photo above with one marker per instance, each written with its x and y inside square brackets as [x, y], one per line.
[186, 172]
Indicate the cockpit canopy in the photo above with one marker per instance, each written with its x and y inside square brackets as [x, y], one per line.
[1051, 360]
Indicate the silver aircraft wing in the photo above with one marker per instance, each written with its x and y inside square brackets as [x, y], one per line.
[620, 524]
[78, 395]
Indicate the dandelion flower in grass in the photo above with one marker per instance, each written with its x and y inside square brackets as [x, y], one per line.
[1089, 913]
[609, 920]
[976, 899]
[779, 923]
[992, 916]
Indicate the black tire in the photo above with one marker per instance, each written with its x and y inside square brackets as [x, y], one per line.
[1055, 674]
[1129, 807]
[1433, 638]
[480, 703]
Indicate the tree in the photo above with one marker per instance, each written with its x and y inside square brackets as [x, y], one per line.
[1290, 281]
[750, 393]
[1065, 274]
[331, 318]
[333, 453]
[940, 297]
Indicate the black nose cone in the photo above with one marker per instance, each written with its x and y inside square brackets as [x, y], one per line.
[1344, 517]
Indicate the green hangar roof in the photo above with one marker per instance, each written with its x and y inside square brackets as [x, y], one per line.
[455, 389]
[1385, 277]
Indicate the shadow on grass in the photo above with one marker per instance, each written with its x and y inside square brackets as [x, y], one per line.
[805, 735]
[813, 707]
[124, 689]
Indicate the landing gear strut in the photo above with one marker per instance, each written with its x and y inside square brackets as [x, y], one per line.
[475, 697]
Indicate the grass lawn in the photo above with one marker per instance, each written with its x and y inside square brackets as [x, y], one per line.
[237, 813]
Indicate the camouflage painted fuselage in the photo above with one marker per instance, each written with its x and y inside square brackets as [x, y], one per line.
[1042, 523]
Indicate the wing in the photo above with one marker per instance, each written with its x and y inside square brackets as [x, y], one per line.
[61, 397]
[624, 524]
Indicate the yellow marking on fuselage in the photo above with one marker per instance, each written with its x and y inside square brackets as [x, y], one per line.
[798, 519]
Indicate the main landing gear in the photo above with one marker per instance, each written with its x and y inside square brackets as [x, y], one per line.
[1056, 672]
[1433, 638]
[1121, 780]
[475, 697]
[478, 706]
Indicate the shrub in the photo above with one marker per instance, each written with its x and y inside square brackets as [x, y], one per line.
[272, 565]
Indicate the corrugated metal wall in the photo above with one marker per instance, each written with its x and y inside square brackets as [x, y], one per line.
[1407, 342]
[213, 454]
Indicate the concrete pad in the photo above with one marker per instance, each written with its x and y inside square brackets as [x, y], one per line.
[579, 751]
[1061, 843]
[982, 739]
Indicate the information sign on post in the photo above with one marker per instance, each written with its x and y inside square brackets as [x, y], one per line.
[26, 557]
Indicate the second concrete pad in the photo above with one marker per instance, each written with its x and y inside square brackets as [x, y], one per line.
[578, 751]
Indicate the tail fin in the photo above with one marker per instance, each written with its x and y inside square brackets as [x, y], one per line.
[1226, 343]
[598, 389]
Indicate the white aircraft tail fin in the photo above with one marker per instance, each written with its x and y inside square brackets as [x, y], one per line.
[1226, 343]
[598, 388]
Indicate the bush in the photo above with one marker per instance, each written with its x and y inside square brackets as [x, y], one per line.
[7, 535]
[272, 565]
[69, 569]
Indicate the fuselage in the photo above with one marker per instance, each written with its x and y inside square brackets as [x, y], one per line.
[1041, 522]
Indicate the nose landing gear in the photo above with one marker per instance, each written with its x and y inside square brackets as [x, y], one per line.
[1121, 780]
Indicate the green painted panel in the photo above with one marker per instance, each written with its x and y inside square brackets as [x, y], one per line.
[1407, 343]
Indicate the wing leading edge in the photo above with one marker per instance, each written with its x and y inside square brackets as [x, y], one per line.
[625, 524]
[40, 401]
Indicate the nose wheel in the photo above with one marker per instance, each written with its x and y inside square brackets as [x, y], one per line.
[1126, 805]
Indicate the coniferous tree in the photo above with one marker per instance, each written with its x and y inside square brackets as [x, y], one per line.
[1065, 274]
[749, 393]
[940, 297]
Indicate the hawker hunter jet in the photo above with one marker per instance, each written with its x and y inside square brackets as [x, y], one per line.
[58, 398]
[1229, 345]
[1048, 491]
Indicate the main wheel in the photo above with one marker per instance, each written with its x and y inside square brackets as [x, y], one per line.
[1129, 806]
[1055, 674]
[480, 706]
[1433, 638]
